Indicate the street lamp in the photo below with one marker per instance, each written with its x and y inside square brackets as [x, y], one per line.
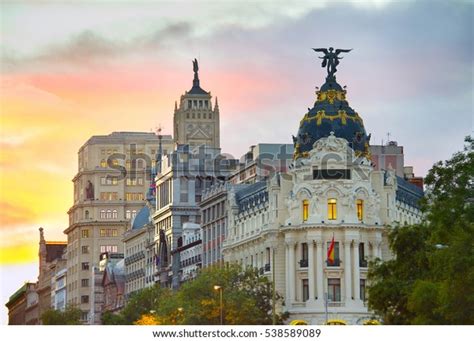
[220, 289]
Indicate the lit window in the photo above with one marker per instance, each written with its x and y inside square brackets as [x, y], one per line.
[360, 209]
[103, 163]
[305, 209]
[114, 214]
[103, 232]
[85, 233]
[332, 209]
[128, 214]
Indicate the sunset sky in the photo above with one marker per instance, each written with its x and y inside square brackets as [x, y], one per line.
[70, 70]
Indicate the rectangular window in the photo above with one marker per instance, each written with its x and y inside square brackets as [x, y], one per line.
[362, 290]
[183, 183]
[362, 260]
[360, 209]
[331, 174]
[85, 233]
[84, 316]
[304, 255]
[305, 209]
[85, 266]
[334, 290]
[305, 290]
[103, 232]
[84, 299]
[85, 282]
[332, 209]
[85, 249]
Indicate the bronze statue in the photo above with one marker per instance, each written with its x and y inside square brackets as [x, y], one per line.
[90, 191]
[331, 59]
[195, 65]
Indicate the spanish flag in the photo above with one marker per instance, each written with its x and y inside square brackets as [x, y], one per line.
[331, 252]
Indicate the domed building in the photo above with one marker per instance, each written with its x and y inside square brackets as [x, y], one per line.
[331, 113]
[314, 229]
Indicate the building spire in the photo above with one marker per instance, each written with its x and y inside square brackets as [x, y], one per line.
[216, 105]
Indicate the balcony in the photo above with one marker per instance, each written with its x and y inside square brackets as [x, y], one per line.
[267, 267]
[303, 263]
[337, 262]
[261, 271]
[362, 263]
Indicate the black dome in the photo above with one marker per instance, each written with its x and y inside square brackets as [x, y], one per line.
[331, 112]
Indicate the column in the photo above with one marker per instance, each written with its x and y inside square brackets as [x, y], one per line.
[347, 271]
[287, 274]
[311, 270]
[292, 269]
[319, 270]
[356, 271]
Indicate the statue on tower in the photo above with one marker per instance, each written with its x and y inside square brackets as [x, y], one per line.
[195, 65]
[331, 59]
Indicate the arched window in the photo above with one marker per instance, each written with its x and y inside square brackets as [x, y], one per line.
[305, 209]
[332, 209]
[102, 214]
[109, 214]
[114, 214]
[360, 209]
[134, 214]
[128, 214]
[86, 215]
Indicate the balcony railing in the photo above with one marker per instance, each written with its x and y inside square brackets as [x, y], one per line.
[303, 263]
[267, 267]
[336, 262]
[362, 263]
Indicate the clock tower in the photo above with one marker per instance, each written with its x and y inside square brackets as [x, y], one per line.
[196, 120]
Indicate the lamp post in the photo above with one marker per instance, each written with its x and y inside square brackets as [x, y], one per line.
[220, 289]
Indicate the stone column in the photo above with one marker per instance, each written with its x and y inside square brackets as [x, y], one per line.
[287, 274]
[319, 270]
[292, 269]
[347, 271]
[356, 271]
[311, 270]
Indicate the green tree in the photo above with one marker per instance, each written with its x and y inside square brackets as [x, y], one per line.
[109, 318]
[431, 278]
[140, 303]
[71, 315]
[247, 297]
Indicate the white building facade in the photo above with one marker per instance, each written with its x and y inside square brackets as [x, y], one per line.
[331, 197]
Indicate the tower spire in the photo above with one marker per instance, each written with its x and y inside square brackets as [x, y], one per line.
[216, 105]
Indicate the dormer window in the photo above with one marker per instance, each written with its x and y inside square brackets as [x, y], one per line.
[305, 210]
[360, 209]
[332, 209]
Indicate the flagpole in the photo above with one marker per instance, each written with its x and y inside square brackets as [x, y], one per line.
[326, 306]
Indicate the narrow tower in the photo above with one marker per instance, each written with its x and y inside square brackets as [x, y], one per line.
[196, 123]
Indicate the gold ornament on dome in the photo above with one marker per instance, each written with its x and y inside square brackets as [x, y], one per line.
[341, 114]
[331, 95]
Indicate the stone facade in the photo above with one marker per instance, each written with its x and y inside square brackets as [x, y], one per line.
[23, 305]
[109, 190]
